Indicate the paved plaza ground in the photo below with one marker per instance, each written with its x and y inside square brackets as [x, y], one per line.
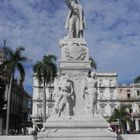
[122, 137]
[18, 138]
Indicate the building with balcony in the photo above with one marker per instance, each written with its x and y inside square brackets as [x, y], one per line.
[128, 95]
[37, 101]
[107, 93]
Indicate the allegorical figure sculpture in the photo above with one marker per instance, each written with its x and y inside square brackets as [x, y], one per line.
[57, 93]
[64, 96]
[75, 22]
[90, 94]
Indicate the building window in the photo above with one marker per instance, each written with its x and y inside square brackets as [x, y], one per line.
[101, 90]
[121, 90]
[40, 90]
[128, 90]
[39, 110]
[110, 82]
[112, 96]
[138, 92]
[139, 108]
[128, 96]
[50, 96]
[100, 82]
[112, 90]
[102, 93]
[40, 95]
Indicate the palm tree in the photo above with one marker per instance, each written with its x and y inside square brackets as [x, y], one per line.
[93, 63]
[45, 71]
[13, 61]
[121, 114]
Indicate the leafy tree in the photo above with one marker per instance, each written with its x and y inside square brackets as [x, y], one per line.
[93, 63]
[45, 71]
[122, 115]
[137, 79]
[13, 62]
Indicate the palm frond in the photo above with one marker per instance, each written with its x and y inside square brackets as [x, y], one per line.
[22, 72]
[137, 79]
[19, 50]
[93, 63]
[37, 68]
[14, 60]
[46, 68]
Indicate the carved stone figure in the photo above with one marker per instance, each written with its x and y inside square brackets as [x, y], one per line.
[90, 94]
[57, 93]
[75, 22]
[64, 96]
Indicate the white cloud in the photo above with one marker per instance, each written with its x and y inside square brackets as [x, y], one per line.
[112, 31]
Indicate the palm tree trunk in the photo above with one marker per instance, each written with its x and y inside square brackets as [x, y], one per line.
[8, 104]
[1, 124]
[121, 126]
[44, 101]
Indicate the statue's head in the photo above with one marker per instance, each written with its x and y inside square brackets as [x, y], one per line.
[75, 1]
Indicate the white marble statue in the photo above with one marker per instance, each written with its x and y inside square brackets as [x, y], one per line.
[90, 94]
[57, 93]
[64, 96]
[75, 22]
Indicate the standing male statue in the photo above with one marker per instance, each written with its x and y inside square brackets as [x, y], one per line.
[90, 95]
[64, 96]
[75, 22]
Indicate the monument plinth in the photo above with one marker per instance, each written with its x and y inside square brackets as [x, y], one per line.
[75, 114]
[77, 129]
[74, 55]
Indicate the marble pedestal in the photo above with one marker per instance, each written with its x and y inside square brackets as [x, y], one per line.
[80, 126]
[74, 55]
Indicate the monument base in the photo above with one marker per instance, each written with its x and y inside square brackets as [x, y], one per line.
[75, 128]
[74, 55]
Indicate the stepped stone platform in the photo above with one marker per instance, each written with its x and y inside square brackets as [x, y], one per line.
[77, 128]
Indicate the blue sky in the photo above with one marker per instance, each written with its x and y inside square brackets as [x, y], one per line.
[112, 32]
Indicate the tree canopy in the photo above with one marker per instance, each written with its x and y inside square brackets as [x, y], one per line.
[93, 63]
[137, 79]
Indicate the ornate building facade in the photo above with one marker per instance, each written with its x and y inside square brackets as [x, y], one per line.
[37, 101]
[129, 95]
[107, 93]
